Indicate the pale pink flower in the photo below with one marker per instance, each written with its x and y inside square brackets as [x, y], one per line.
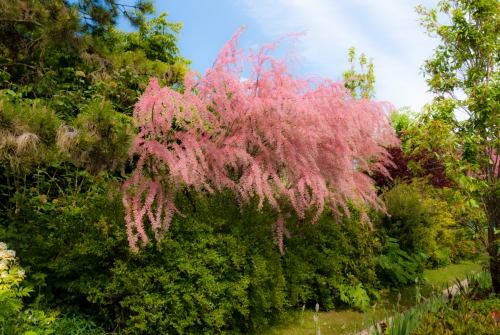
[275, 136]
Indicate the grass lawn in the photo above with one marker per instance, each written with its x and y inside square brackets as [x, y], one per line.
[344, 321]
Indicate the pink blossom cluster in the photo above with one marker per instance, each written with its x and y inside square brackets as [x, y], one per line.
[275, 136]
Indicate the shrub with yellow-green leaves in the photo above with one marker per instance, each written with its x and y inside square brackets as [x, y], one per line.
[13, 319]
[11, 276]
[423, 222]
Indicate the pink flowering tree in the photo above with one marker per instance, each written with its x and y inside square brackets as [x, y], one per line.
[301, 143]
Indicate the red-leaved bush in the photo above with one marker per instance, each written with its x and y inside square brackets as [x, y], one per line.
[293, 141]
[429, 167]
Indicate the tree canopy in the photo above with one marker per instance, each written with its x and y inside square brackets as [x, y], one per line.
[464, 75]
[297, 143]
[44, 43]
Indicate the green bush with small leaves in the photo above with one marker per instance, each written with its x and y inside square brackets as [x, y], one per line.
[332, 263]
[216, 270]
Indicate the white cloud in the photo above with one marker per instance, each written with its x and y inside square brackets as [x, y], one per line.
[385, 30]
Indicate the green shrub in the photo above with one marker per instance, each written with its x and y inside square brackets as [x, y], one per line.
[410, 218]
[211, 273]
[332, 263]
[462, 246]
[216, 270]
[421, 219]
[441, 257]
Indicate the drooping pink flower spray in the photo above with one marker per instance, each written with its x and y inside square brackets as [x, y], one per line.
[276, 136]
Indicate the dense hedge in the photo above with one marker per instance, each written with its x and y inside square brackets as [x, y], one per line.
[216, 270]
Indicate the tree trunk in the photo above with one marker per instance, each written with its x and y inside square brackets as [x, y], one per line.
[494, 267]
[492, 214]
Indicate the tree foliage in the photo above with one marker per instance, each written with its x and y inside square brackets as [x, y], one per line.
[47, 42]
[413, 159]
[33, 29]
[464, 74]
[360, 84]
[301, 143]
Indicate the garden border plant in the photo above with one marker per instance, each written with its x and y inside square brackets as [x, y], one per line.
[472, 308]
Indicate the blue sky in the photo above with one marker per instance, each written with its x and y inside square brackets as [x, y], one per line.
[386, 30]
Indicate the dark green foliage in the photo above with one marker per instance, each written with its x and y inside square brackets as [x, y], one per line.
[217, 269]
[212, 273]
[99, 15]
[333, 263]
[69, 54]
[410, 219]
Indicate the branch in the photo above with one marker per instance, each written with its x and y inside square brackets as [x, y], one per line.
[20, 64]
[23, 21]
[119, 4]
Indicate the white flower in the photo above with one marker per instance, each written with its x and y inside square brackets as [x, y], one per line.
[11, 253]
[2, 266]
[21, 272]
[4, 262]
[3, 246]
[4, 275]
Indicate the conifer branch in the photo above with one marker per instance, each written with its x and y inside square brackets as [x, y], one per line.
[23, 21]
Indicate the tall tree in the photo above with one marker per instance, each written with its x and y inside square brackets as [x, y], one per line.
[300, 144]
[32, 28]
[45, 42]
[52, 50]
[360, 84]
[464, 76]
